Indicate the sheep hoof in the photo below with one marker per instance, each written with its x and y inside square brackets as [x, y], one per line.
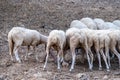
[44, 69]
[90, 69]
[71, 70]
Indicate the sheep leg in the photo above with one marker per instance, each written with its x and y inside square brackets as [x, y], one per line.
[62, 59]
[36, 55]
[11, 55]
[105, 60]
[91, 57]
[58, 60]
[16, 54]
[99, 59]
[47, 51]
[117, 54]
[107, 42]
[73, 59]
[98, 53]
[53, 56]
[26, 56]
[89, 61]
[113, 55]
[73, 44]
[11, 48]
[108, 56]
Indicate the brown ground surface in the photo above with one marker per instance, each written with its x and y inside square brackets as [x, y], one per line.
[45, 15]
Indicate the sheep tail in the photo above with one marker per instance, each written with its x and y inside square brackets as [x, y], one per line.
[55, 39]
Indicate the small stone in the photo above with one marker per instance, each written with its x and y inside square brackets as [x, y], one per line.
[29, 54]
[37, 75]
[82, 76]
[96, 78]
[105, 77]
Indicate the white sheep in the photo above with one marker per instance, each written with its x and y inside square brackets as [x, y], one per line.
[19, 36]
[99, 23]
[115, 40]
[57, 40]
[109, 25]
[89, 23]
[116, 22]
[76, 38]
[77, 24]
[108, 39]
[104, 43]
[102, 25]
[93, 40]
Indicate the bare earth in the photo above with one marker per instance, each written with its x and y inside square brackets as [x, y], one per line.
[44, 16]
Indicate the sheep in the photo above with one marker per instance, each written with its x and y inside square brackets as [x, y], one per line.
[104, 43]
[116, 22]
[115, 39]
[108, 39]
[109, 25]
[19, 36]
[93, 39]
[89, 22]
[99, 23]
[57, 40]
[75, 39]
[77, 24]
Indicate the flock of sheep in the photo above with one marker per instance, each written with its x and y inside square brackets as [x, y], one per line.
[94, 36]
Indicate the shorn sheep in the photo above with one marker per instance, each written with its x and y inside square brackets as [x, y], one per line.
[89, 23]
[115, 41]
[109, 25]
[99, 23]
[102, 25]
[77, 24]
[103, 43]
[77, 39]
[57, 40]
[116, 22]
[94, 40]
[19, 36]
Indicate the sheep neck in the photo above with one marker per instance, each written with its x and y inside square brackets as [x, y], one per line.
[43, 39]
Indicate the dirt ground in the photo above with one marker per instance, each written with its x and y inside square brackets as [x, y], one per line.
[44, 16]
